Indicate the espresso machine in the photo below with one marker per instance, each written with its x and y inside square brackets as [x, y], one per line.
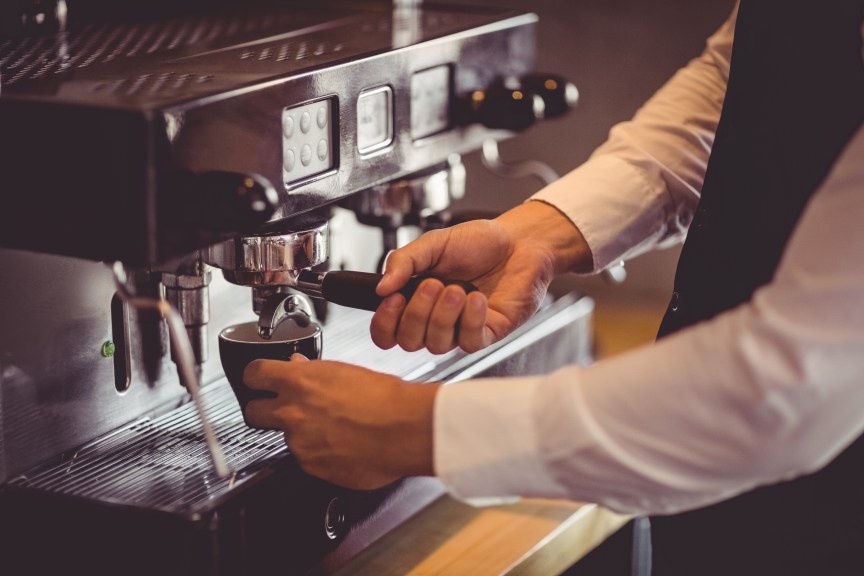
[172, 168]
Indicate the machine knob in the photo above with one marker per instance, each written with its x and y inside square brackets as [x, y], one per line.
[228, 202]
[559, 95]
[502, 106]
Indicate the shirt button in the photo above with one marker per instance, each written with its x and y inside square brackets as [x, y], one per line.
[675, 302]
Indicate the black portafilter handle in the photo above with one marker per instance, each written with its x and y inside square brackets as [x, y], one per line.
[357, 289]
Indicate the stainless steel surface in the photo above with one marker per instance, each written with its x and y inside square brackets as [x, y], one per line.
[189, 294]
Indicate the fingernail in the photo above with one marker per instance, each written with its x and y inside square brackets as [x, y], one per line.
[384, 264]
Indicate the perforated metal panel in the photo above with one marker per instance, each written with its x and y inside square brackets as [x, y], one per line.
[99, 43]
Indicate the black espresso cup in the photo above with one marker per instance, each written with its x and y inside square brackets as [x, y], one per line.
[240, 344]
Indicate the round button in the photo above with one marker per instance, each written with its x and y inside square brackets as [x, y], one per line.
[288, 126]
[305, 122]
[289, 159]
[322, 117]
[322, 149]
[306, 155]
[334, 518]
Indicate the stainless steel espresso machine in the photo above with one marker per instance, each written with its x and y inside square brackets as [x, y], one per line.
[172, 168]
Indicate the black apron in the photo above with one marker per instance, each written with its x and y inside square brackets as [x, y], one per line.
[795, 97]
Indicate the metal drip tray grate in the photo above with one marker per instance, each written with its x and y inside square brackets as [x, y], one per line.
[162, 463]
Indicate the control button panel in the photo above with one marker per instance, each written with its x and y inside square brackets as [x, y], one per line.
[307, 141]
[430, 101]
[374, 119]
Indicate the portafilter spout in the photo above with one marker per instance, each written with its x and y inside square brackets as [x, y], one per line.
[277, 307]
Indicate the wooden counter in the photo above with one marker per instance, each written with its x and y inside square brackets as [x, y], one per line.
[529, 538]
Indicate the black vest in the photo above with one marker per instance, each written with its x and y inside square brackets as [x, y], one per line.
[795, 97]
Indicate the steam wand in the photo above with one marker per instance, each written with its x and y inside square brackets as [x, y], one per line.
[185, 356]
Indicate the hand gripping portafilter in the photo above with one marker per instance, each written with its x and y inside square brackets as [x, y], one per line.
[268, 263]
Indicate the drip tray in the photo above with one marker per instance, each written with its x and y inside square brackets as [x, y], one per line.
[163, 464]
[145, 499]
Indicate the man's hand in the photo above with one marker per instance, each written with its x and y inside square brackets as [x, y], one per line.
[511, 259]
[345, 424]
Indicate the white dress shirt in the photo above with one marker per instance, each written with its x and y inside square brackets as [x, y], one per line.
[765, 392]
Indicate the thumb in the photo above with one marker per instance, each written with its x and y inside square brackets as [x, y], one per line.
[297, 357]
[414, 258]
[398, 269]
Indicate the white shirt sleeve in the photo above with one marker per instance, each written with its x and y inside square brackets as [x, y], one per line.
[767, 391]
[639, 190]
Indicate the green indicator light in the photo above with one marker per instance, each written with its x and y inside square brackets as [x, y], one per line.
[108, 349]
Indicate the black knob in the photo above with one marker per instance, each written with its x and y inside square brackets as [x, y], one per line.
[559, 95]
[228, 202]
[502, 106]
